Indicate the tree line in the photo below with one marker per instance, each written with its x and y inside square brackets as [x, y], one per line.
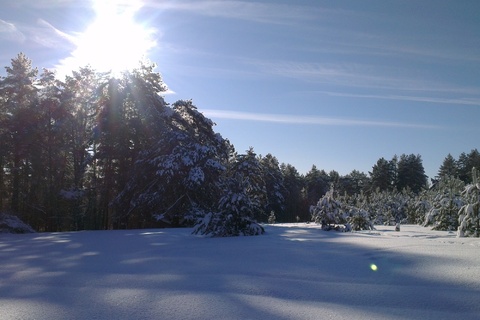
[94, 151]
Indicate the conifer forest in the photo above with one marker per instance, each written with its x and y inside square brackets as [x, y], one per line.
[94, 152]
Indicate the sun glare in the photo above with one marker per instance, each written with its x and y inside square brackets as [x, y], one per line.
[114, 41]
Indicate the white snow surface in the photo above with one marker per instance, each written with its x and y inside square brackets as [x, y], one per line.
[294, 271]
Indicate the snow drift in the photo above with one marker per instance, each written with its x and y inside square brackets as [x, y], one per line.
[12, 224]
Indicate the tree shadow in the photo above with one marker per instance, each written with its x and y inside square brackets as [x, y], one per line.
[289, 273]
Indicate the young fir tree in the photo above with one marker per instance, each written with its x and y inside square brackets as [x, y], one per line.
[328, 211]
[469, 214]
[445, 204]
[356, 208]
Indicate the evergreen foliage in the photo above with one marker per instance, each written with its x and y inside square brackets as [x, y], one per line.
[94, 151]
[469, 214]
[410, 173]
[271, 218]
[449, 167]
[383, 175]
[328, 212]
[243, 199]
[445, 204]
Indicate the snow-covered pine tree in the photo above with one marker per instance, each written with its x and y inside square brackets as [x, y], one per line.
[177, 177]
[469, 214]
[328, 212]
[243, 198]
[234, 216]
[445, 204]
[356, 208]
[359, 219]
[418, 207]
[389, 207]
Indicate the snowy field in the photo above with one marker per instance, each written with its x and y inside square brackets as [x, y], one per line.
[295, 271]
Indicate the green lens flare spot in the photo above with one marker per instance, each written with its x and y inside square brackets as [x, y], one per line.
[373, 267]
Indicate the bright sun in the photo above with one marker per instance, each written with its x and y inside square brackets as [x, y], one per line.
[114, 41]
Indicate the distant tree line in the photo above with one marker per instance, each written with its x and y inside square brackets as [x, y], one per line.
[94, 151]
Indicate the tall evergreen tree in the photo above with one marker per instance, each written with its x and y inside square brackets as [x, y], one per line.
[51, 172]
[466, 162]
[243, 199]
[274, 184]
[411, 173]
[317, 183]
[80, 97]
[352, 183]
[175, 178]
[295, 204]
[449, 167]
[19, 94]
[383, 175]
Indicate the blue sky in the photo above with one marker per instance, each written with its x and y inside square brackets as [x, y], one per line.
[338, 84]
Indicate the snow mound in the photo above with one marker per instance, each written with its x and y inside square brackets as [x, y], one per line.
[12, 224]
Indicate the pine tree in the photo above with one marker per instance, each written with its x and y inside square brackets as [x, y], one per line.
[317, 183]
[445, 204]
[295, 202]
[18, 93]
[466, 162]
[353, 183]
[243, 198]
[176, 178]
[449, 167]
[469, 214]
[411, 173]
[382, 176]
[328, 212]
[274, 184]
[80, 97]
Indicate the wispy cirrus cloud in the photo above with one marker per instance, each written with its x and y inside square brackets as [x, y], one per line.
[459, 101]
[309, 120]
[42, 33]
[243, 10]
[10, 32]
[49, 36]
[363, 76]
[47, 4]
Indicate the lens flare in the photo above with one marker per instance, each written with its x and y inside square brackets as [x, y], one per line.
[373, 267]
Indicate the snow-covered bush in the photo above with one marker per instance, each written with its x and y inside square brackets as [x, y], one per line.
[389, 207]
[328, 212]
[359, 219]
[12, 224]
[272, 218]
[356, 207]
[418, 208]
[469, 214]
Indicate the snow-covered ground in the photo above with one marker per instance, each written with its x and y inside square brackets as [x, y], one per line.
[295, 271]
